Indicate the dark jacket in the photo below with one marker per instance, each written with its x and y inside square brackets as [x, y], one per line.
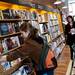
[70, 39]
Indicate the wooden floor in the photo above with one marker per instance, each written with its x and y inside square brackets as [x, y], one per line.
[63, 62]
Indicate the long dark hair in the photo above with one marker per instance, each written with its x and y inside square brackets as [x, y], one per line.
[33, 32]
[70, 17]
[27, 26]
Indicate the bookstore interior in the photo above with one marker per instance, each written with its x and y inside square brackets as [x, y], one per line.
[42, 15]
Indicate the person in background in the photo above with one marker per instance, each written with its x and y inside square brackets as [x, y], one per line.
[70, 33]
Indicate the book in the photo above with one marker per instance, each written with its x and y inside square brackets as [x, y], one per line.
[43, 28]
[4, 30]
[20, 71]
[10, 43]
[14, 62]
[5, 48]
[6, 65]
[45, 17]
[35, 24]
[1, 15]
[1, 48]
[39, 18]
[28, 15]
[16, 41]
[48, 38]
[16, 27]
[11, 28]
[33, 15]
[6, 14]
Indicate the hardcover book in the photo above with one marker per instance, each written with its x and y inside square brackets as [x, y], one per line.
[4, 30]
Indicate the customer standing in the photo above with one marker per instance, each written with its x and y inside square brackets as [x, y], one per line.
[34, 47]
[70, 33]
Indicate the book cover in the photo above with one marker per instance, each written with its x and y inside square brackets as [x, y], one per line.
[6, 65]
[12, 42]
[43, 28]
[27, 15]
[20, 71]
[48, 38]
[16, 27]
[13, 13]
[4, 30]
[45, 17]
[6, 14]
[5, 48]
[9, 43]
[33, 15]
[39, 18]
[16, 41]
[11, 28]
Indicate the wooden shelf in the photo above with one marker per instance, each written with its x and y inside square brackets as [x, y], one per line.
[10, 35]
[44, 33]
[59, 44]
[43, 22]
[61, 51]
[34, 20]
[12, 50]
[57, 37]
[12, 20]
[15, 67]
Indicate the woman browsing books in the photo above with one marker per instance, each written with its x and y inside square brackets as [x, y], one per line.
[33, 47]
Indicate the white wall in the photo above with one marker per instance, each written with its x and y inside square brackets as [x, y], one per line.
[71, 4]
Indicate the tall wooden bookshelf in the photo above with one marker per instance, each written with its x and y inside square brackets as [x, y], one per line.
[48, 24]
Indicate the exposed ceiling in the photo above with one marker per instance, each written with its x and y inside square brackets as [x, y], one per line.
[44, 2]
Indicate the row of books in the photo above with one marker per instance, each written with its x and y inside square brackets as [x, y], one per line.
[7, 65]
[57, 42]
[23, 14]
[9, 28]
[11, 14]
[9, 43]
[53, 23]
[23, 70]
[54, 29]
[54, 35]
[59, 49]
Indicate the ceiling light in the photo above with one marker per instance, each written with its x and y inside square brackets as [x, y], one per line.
[64, 7]
[57, 2]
